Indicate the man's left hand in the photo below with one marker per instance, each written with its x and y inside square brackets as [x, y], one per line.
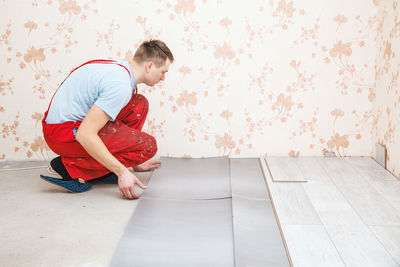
[147, 166]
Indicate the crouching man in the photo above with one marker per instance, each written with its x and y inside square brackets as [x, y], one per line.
[95, 119]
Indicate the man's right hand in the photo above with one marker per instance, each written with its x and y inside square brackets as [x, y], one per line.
[126, 182]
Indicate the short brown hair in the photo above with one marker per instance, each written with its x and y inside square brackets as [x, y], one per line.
[153, 50]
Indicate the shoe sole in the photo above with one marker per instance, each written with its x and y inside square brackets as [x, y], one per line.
[72, 186]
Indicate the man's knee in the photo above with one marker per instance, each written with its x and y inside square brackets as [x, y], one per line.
[151, 146]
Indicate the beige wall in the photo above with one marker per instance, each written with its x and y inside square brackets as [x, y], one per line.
[278, 77]
[386, 125]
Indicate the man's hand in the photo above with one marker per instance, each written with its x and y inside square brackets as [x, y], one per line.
[147, 166]
[126, 182]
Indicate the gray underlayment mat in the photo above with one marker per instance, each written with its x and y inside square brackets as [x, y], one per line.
[203, 212]
[258, 241]
[186, 178]
[178, 233]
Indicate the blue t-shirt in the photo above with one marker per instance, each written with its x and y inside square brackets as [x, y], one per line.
[107, 86]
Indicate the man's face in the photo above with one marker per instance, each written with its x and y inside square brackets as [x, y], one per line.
[156, 74]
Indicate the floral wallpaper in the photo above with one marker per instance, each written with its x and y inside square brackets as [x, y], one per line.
[275, 77]
[386, 123]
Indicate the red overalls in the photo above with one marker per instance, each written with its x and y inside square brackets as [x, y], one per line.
[123, 138]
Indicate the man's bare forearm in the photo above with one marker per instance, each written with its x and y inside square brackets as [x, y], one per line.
[87, 136]
[96, 148]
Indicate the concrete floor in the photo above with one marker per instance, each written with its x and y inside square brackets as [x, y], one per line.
[44, 225]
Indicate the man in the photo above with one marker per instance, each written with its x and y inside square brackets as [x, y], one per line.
[95, 118]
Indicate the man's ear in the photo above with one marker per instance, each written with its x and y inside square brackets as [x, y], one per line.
[148, 66]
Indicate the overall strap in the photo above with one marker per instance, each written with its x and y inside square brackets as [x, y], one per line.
[96, 61]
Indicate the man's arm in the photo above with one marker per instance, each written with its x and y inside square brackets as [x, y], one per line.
[87, 136]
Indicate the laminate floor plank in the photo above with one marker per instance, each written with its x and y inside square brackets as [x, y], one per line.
[370, 169]
[369, 204]
[293, 205]
[284, 168]
[310, 245]
[390, 238]
[389, 190]
[354, 241]
[291, 201]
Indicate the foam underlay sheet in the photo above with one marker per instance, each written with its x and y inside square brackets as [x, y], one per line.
[187, 178]
[178, 233]
[258, 241]
[257, 238]
[247, 179]
[196, 226]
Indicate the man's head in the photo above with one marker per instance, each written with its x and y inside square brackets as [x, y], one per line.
[155, 57]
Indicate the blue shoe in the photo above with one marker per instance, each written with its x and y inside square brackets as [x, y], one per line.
[71, 185]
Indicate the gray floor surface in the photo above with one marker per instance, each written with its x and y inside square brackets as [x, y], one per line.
[45, 225]
[190, 216]
[345, 215]
[178, 233]
[258, 241]
[187, 178]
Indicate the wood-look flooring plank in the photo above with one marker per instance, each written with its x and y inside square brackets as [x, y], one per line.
[355, 242]
[310, 245]
[389, 190]
[284, 169]
[358, 246]
[310, 169]
[293, 205]
[370, 169]
[390, 238]
[369, 204]
[387, 185]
